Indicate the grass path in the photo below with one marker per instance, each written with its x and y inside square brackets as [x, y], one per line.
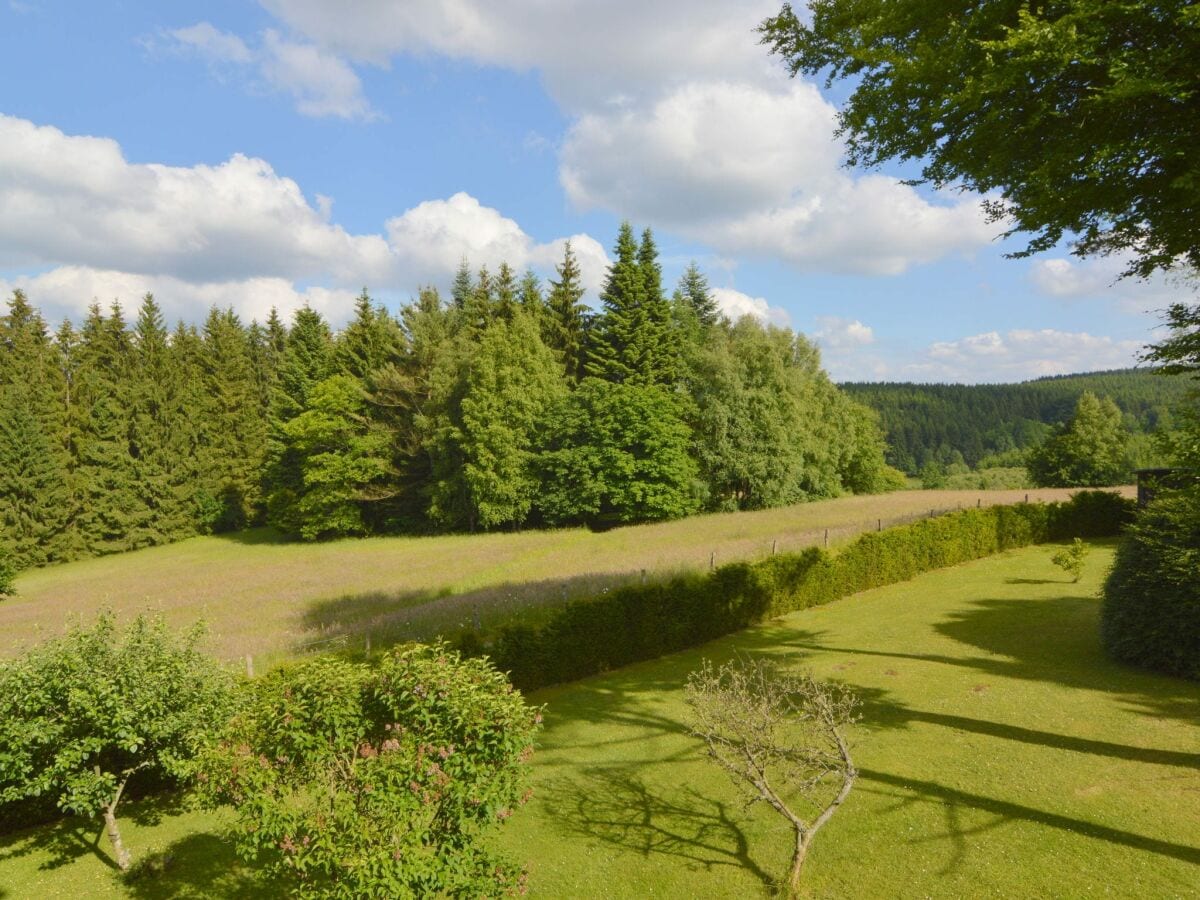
[1002, 756]
[273, 599]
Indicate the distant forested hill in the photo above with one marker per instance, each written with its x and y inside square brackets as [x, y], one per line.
[936, 422]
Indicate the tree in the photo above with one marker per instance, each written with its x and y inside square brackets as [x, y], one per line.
[8, 574]
[82, 714]
[1179, 354]
[1070, 558]
[565, 320]
[781, 738]
[693, 290]
[359, 781]
[615, 454]
[1089, 451]
[344, 461]
[618, 350]
[372, 340]
[1078, 114]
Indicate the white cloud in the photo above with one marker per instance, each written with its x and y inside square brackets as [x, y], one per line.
[320, 83]
[1021, 354]
[754, 171]
[67, 291]
[735, 304]
[681, 119]
[1100, 277]
[589, 54]
[237, 233]
[837, 333]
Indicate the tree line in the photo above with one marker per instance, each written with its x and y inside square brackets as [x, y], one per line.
[507, 404]
[943, 424]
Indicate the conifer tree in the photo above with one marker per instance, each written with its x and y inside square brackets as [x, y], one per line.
[372, 340]
[506, 292]
[693, 289]
[110, 503]
[618, 350]
[660, 340]
[529, 293]
[464, 285]
[564, 323]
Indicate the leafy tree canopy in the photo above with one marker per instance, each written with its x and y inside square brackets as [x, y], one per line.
[1077, 116]
[1091, 450]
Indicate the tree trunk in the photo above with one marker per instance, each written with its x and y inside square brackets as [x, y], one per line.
[797, 864]
[114, 837]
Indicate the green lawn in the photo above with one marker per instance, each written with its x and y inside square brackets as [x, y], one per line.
[273, 600]
[1001, 755]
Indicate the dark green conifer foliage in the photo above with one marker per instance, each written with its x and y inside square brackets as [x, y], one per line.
[110, 503]
[661, 341]
[480, 305]
[34, 467]
[506, 292]
[308, 359]
[618, 350]
[693, 289]
[463, 285]
[529, 294]
[165, 509]
[234, 436]
[372, 340]
[565, 320]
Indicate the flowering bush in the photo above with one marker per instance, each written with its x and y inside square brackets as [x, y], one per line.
[360, 781]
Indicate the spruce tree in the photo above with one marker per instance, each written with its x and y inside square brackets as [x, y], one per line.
[563, 326]
[109, 507]
[463, 285]
[617, 351]
[506, 292]
[372, 340]
[693, 290]
[661, 343]
[530, 297]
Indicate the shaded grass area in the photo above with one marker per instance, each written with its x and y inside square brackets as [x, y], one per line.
[274, 600]
[1001, 755]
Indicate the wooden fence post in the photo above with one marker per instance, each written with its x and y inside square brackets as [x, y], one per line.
[773, 543]
[712, 560]
[249, 666]
[826, 538]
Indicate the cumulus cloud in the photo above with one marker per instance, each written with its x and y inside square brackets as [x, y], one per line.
[237, 233]
[1100, 277]
[754, 170]
[67, 291]
[735, 304]
[1021, 354]
[682, 121]
[320, 83]
[838, 333]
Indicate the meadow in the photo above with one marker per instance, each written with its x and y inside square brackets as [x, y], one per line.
[272, 599]
[1000, 753]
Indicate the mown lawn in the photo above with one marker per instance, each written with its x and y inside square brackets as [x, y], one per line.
[1001, 756]
[273, 600]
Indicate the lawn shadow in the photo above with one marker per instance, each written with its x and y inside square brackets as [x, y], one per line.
[615, 807]
[195, 867]
[1029, 581]
[389, 618]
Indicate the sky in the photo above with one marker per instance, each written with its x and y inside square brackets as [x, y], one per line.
[293, 152]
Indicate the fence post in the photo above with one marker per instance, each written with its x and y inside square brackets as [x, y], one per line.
[773, 543]
[249, 666]
[1026, 498]
[879, 524]
[643, 576]
[979, 503]
[826, 538]
[712, 560]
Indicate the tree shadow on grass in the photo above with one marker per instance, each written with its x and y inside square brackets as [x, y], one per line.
[199, 866]
[61, 843]
[616, 807]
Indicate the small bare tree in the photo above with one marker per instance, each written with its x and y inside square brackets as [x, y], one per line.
[781, 738]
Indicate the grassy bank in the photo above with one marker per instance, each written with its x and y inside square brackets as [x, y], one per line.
[272, 599]
[1001, 755]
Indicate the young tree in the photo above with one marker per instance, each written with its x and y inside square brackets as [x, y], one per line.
[357, 781]
[1078, 114]
[82, 714]
[1070, 558]
[781, 739]
[1089, 451]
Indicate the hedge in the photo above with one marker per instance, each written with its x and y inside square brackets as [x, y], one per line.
[640, 622]
[1150, 615]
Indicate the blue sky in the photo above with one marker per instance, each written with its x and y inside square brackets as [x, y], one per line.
[296, 150]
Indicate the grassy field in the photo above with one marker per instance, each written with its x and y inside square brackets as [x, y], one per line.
[273, 600]
[1001, 755]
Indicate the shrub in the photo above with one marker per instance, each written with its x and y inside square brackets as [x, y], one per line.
[80, 715]
[355, 781]
[638, 622]
[1151, 602]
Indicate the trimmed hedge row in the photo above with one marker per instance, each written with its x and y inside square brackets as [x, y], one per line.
[640, 622]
